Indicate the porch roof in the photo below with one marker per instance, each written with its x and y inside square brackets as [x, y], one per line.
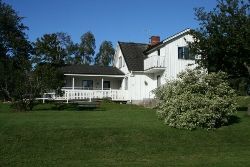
[91, 70]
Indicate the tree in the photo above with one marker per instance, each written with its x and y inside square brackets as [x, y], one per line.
[86, 49]
[55, 48]
[25, 92]
[52, 51]
[105, 55]
[223, 39]
[15, 52]
[48, 78]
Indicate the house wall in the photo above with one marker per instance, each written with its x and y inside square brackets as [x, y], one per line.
[140, 84]
[115, 83]
[139, 90]
[174, 65]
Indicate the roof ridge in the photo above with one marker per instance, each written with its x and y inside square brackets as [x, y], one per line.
[168, 39]
[138, 43]
[176, 34]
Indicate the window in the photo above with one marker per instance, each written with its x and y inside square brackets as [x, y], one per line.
[87, 84]
[120, 62]
[158, 80]
[123, 64]
[106, 85]
[126, 83]
[158, 52]
[183, 53]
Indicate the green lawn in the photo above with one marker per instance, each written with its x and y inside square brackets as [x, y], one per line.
[116, 135]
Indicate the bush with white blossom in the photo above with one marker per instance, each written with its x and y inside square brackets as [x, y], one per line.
[196, 99]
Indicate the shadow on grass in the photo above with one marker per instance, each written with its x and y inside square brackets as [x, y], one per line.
[75, 107]
[233, 120]
[65, 107]
[242, 108]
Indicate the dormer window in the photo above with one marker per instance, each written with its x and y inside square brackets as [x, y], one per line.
[183, 53]
[120, 62]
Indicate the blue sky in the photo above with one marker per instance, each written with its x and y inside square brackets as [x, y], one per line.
[113, 20]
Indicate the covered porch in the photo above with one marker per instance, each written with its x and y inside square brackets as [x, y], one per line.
[87, 82]
[92, 82]
[90, 86]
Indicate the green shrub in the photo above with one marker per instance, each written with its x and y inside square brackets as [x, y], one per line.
[107, 100]
[196, 99]
[243, 101]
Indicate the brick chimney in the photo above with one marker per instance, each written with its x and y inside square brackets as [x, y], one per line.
[154, 40]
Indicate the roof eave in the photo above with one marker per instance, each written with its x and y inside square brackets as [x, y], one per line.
[95, 75]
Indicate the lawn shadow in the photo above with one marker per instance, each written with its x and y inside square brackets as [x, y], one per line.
[233, 120]
[90, 109]
[242, 108]
[64, 107]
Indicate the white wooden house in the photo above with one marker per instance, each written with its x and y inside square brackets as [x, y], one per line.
[138, 69]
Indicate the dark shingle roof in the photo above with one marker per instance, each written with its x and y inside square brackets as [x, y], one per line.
[90, 69]
[133, 55]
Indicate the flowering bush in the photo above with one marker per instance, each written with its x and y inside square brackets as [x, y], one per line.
[196, 99]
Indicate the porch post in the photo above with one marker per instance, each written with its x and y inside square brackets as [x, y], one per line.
[102, 83]
[43, 98]
[67, 96]
[73, 83]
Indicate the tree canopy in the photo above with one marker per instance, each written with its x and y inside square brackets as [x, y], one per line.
[105, 55]
[52, 51]
[223, 39]
[86, 49]
[15, 52]
[55, 48]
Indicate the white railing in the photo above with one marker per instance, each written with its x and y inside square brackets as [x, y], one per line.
[154, 62]
[94, 94]
[84, 88]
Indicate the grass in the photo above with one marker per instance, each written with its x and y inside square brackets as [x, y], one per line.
[115, 135]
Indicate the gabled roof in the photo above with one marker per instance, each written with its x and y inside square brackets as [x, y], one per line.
[91, 69]
[167, 40]
[133, 55]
